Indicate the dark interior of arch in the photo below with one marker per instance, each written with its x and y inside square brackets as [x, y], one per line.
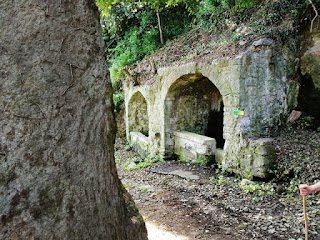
[197, 107]
[215, 126]
[308, 101]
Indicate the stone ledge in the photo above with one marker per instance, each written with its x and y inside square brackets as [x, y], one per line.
[138, 136]
[195, 143]
[140, 143]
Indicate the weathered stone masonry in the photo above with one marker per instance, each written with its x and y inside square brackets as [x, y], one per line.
[195, 96]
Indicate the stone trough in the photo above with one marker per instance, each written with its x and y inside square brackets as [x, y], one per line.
[140, 143]
[191, 146]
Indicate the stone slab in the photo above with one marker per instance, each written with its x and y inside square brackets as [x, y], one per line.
[195, 143]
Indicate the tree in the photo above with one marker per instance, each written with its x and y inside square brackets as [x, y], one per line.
[158, 5]
[57, 174]
[106, 8]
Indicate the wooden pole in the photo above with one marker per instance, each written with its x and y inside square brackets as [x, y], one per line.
[304, 198]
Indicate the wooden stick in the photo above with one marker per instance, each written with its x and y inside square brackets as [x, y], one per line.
[304, 198]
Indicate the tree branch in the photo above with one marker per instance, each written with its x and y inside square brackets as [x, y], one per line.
[160, 27]
[315, 10]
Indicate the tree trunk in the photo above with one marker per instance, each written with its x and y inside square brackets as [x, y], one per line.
[160, 27]
[57, 173]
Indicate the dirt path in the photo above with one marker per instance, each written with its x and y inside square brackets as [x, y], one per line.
[212, 207]
[173, 210]
[156, 232]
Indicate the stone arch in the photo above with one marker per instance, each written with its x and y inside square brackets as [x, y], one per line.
[194, 104]
[138, 120]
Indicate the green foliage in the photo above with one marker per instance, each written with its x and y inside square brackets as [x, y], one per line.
[255, 188]
[201, 160]
[211, 14]
[293, 186]
[206, 14]
[131, 27]
[106, 7]
[118, 100]
[262, 17]
[291, 195]
[276, 12]
[248, 174]
[131, 31]
[245, 4]
[306, 122]
[132, 48]
[147, 162]
[221, 180]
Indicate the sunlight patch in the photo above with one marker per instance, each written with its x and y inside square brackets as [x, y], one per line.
[156, 233]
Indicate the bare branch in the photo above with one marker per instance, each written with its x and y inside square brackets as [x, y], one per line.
[315, 10]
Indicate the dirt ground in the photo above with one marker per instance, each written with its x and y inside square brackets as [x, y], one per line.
[176, 210]
[214, 206]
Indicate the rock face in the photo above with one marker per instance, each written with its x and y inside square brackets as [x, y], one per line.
[200, 97]
[310, 61]
[57, 175]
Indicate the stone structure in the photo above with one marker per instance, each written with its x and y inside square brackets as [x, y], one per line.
[199, 97]
[310, 61]
[188, 145]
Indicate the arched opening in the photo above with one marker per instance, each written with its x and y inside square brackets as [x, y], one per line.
[193, 104]
[138, 114]
[308, 101]
[215, 125]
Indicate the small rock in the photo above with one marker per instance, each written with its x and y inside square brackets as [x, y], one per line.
[242, 42]
[131, 166]
[270, 218]
[271, 231]
[263, 42]
[245, 182]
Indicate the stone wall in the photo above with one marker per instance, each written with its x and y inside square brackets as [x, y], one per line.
[181, 97]
[263, 96]
[138, 114]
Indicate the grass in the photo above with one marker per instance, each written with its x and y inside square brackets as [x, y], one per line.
[145, 163]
